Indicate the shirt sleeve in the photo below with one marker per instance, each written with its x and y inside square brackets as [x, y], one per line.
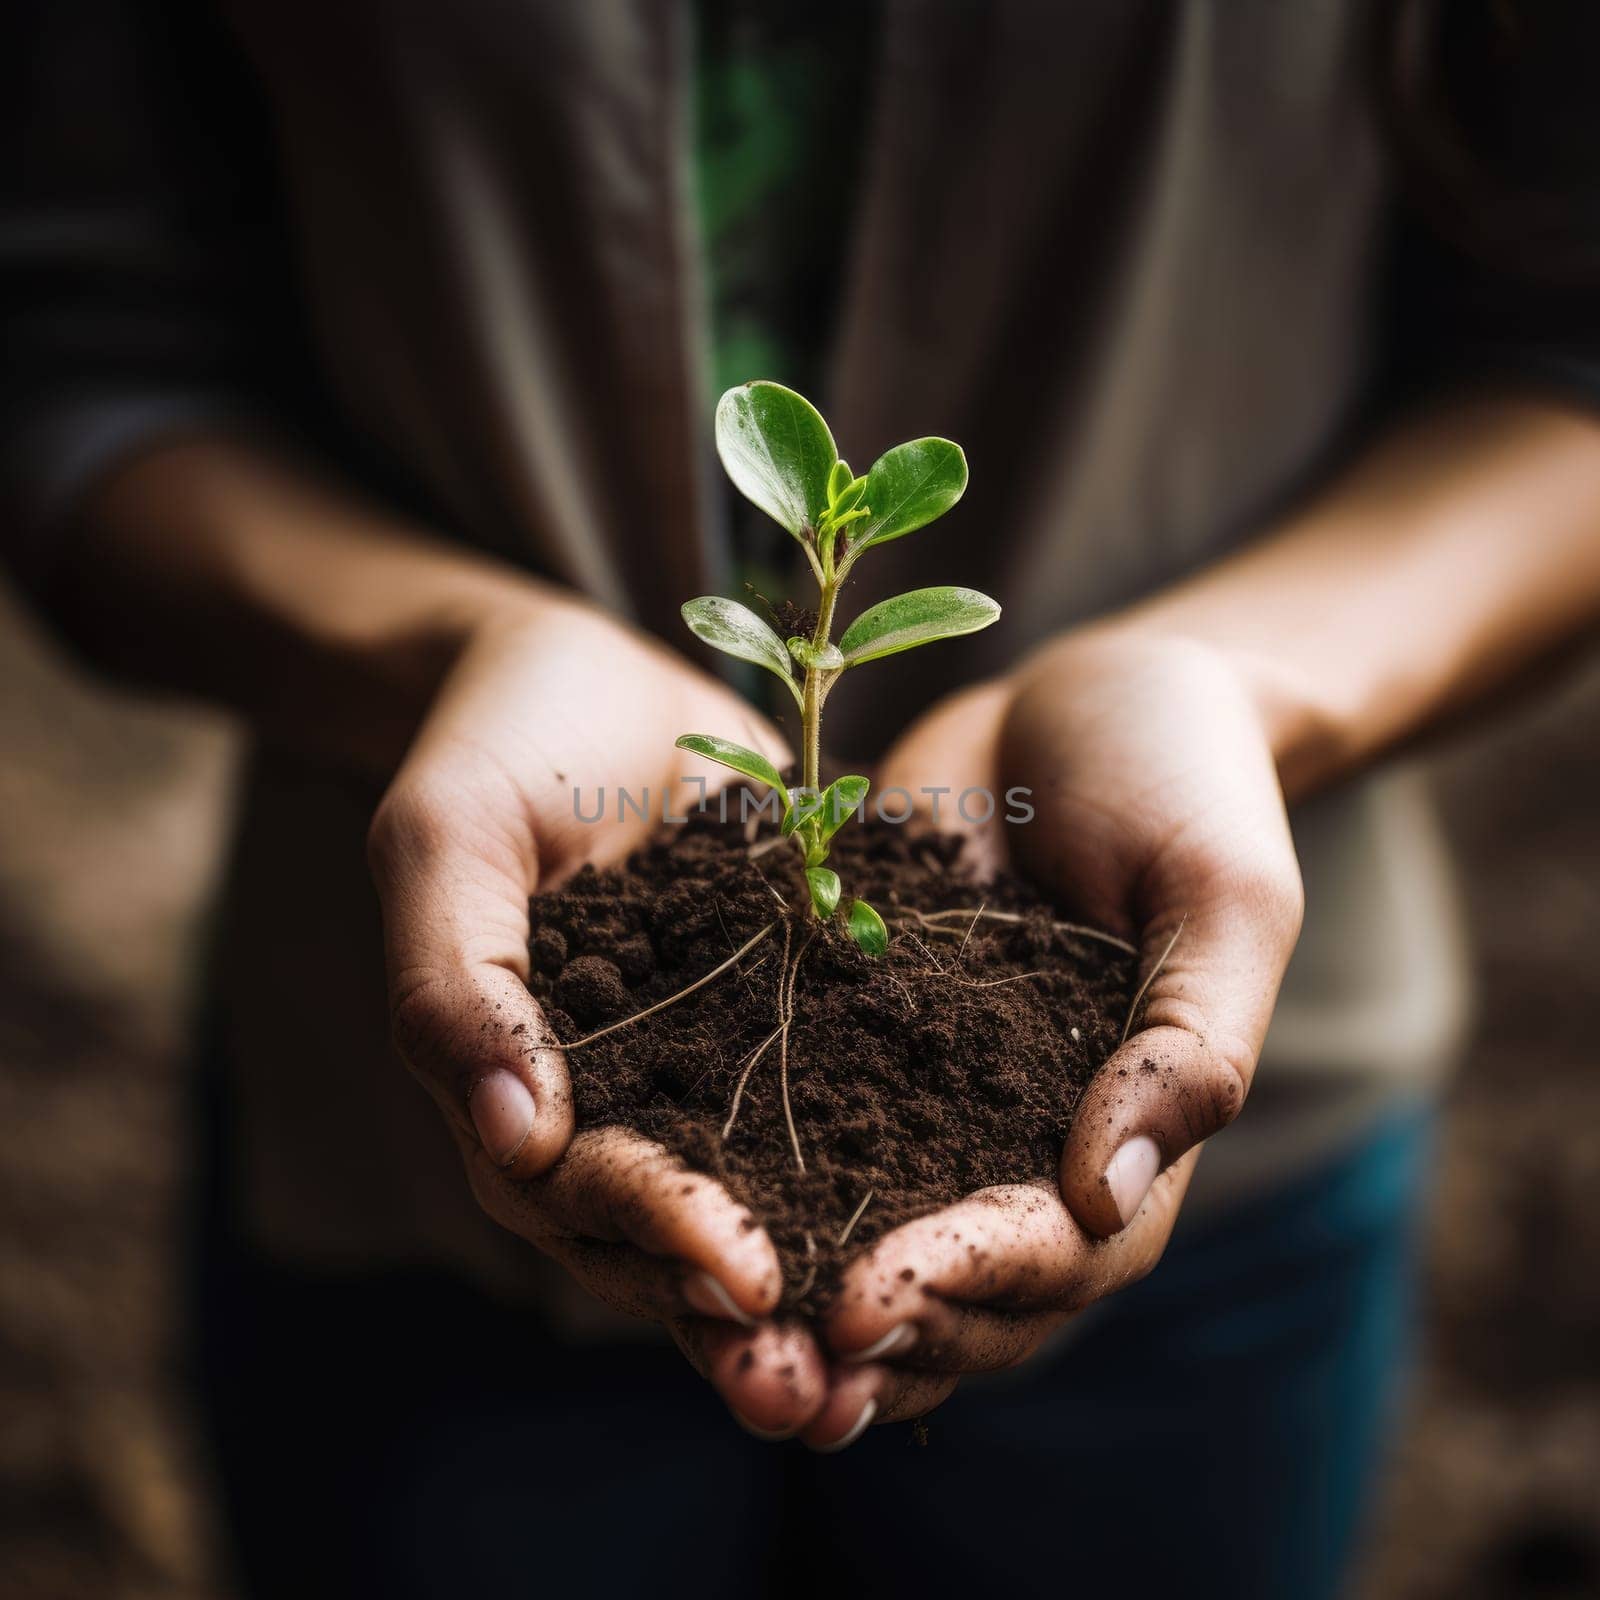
[144, 286]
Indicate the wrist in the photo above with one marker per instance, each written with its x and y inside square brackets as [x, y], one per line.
[245, 579]
[382, 671]
[1307, 734]
[1443, 563]
[1312, 738]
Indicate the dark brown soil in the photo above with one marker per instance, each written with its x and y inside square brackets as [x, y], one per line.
[952, 1063]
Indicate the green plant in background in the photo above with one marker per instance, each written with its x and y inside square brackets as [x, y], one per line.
[780, 455]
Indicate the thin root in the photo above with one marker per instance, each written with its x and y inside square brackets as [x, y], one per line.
[933, 960]
[744, 976]
[766, 883]
[932, 921]
[996, 983]
[744, 1077]
[783, 1055]
[968, 934]
[900, 984]
[673, 999]
[855, 1217]
[761, 1049]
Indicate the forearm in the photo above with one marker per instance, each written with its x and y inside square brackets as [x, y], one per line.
[217, 570]
[1454, 555]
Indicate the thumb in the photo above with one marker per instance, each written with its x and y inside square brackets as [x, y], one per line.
[453, 881]
[1186, 1062]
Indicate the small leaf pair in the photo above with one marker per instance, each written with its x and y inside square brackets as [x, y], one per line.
[780, 455]
[921, 616]
[866, 927]
[817, 817]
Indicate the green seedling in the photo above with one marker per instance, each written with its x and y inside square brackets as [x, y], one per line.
[780, 455]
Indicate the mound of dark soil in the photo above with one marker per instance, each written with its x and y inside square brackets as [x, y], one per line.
[953, 1062]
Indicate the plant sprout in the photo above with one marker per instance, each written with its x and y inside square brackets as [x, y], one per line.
[780, 455]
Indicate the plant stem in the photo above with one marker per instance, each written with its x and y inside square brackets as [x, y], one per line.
[811, 732]
[811, 707]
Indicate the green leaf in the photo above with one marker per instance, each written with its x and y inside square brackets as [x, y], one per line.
[845, 518]
[824, 883]
[829, 657]
[838, 480]
[778, 451]
[911, 485]
[840, 801]
[803, 805]
[850, 497]
[867, 929]
[737, 631]
[736, 756]
[920, 617]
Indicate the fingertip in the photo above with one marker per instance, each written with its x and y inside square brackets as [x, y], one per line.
[545, 1077]
[725, 1242]
[888, 1295]
[854, 1398]
[502, 1111]
[705, 1293]
[1130, 1173]
[1104, 1202]
[872, 1305]
[543, 1148]
[860, 1398]
[901, 1338]
[481, 1046]
[885, 1293]
[1163, 1093]
[863, 1421]
[755, 1279]
[772, 1377]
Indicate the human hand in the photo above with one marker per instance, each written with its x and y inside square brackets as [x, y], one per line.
[480, 814]
[1157, 808]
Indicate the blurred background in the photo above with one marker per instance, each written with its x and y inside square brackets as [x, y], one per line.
[112, 817]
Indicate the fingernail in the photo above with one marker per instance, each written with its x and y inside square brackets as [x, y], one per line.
[767, 1435]
[862, 1423]
[502, 1113]
[1131, 1172]
[895, 1342]
[710, 1299]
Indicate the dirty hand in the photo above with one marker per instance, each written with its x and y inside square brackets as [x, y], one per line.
[479, 815]
[1158, 806]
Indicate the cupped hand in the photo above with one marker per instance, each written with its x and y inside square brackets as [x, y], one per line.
[1157, 813]
[479, 816]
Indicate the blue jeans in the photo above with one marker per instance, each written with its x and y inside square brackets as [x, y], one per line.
[1212, 1432]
